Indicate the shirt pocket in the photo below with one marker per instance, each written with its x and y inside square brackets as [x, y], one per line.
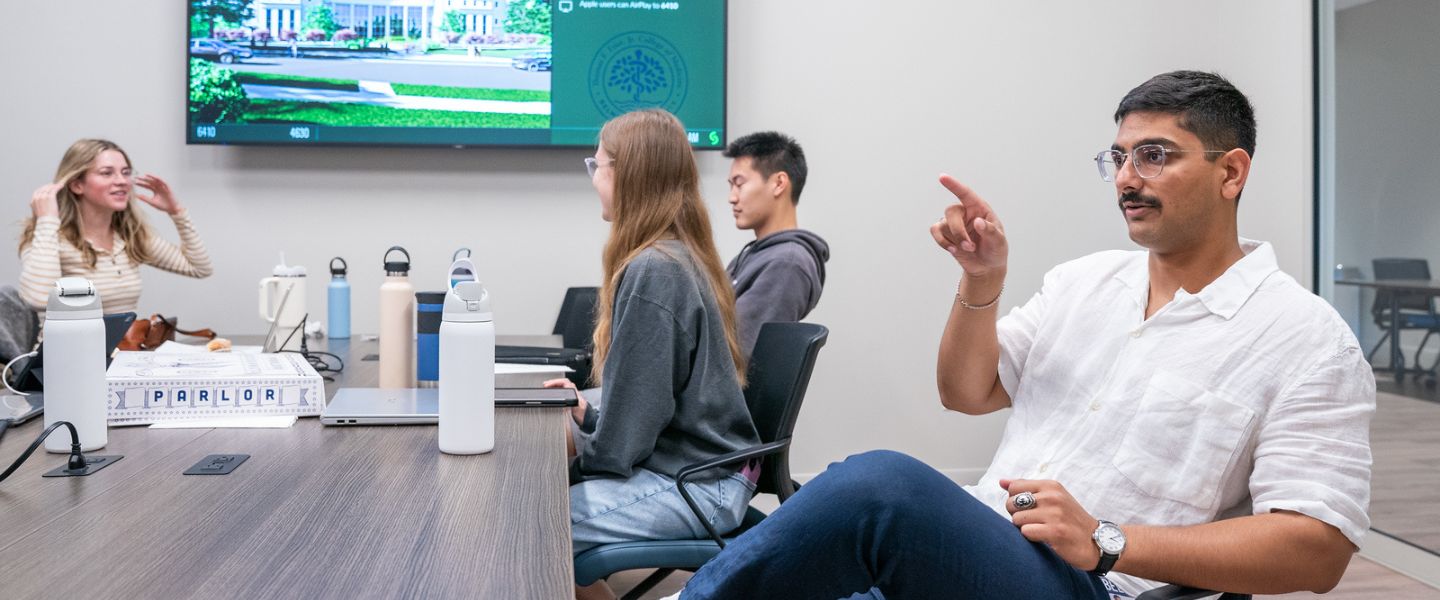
[1181, 441]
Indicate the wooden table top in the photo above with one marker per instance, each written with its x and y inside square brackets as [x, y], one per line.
[315, 512]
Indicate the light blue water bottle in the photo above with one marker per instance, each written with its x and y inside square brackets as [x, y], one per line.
[339, 296]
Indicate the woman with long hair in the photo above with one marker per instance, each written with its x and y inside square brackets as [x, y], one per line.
[666, 352]
[85, 224]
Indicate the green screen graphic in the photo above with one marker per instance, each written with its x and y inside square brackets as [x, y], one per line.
[618, 56]
[450, 72]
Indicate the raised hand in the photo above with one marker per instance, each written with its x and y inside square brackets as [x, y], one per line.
[160, 197]
[971, 232]
[45, 202]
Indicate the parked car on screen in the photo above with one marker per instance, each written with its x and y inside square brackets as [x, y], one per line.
[218, 50]
[532, 61]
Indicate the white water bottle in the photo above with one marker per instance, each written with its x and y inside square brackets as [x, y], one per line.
[75, 365]
[467, 371]
[282, 303]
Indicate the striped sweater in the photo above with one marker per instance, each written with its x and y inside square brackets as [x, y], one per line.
[50, 257]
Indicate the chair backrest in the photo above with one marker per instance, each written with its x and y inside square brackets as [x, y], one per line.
[779, 373]
[1400, 268]
[19, 325]
[576, 321]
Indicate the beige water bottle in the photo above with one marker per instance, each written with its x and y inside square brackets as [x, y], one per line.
[397, 324]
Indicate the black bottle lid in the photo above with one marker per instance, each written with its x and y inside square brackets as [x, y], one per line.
[399, 267]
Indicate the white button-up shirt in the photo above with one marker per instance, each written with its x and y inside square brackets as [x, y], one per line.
[1247, 397]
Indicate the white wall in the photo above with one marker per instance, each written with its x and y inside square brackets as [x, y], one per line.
[1387, 145]
[1013, 97]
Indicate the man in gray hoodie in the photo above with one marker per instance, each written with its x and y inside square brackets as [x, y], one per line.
[779, 276]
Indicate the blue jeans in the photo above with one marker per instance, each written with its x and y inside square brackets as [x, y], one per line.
[886, 521]
[648, 506]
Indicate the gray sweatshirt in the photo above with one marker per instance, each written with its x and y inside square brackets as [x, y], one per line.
[777, 278]
[670, 397]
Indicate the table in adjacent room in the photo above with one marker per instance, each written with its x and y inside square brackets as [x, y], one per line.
[1396, 287]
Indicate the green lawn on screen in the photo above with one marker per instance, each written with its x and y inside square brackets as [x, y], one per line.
[340, 114]
[445, 91]
[403, 89]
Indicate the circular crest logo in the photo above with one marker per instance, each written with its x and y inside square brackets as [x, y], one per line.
[636, 70]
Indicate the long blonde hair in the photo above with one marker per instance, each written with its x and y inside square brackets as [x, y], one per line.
[657, 196]
[127, 224]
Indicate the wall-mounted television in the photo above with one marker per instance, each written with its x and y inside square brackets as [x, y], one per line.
[449, 72]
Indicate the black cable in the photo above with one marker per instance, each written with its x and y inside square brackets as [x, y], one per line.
[313, 356]
[77, 459]
[298, 328]
[318, 362]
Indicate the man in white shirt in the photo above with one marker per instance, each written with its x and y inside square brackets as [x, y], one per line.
[1187, 414]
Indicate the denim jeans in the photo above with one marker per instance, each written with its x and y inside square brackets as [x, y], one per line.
[882, 520]
[647, 506]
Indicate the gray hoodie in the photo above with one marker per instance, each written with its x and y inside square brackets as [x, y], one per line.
[777, 278]
[670, 397]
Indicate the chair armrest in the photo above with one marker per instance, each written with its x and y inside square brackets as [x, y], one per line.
[729, 458]
[1180, 592]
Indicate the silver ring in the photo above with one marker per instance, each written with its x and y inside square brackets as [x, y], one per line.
[1024, 501]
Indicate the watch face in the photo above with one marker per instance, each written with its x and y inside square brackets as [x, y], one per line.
[1110, 539]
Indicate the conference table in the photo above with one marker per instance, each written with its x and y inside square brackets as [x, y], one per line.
[315, 512]
[1396, 287]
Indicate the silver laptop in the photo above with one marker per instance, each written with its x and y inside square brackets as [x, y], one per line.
[421, 406]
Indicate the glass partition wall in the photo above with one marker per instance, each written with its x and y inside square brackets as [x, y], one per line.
[1378, 234]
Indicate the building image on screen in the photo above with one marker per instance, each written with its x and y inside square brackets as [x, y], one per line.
[449, 72]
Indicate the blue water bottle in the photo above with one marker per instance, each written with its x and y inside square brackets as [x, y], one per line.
[429, 311]
[338, 309]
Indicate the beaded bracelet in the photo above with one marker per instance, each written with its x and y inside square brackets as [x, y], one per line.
[970, 306]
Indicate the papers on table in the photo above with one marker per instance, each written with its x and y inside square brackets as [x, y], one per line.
[178, 348]
[247, 422]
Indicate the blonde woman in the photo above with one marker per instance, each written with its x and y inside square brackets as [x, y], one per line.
[666, 352]
[86, 225]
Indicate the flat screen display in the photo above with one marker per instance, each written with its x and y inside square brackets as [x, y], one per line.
[450, 72]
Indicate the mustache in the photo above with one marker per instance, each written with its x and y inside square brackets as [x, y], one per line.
[1138, 198]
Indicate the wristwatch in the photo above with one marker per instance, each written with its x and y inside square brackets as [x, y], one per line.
[1111, 541]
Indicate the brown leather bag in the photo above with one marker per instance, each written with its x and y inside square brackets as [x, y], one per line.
[150, 333]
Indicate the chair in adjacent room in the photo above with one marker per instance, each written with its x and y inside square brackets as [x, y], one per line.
[779, 374]
[1416, 310]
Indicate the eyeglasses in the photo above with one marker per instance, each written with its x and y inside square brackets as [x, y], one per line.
[1149, 160]
[592, 165]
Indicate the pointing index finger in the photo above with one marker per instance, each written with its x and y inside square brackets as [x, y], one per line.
[961, 191]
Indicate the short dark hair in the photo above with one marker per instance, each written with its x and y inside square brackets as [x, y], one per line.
[773, 152]
[1208, 105]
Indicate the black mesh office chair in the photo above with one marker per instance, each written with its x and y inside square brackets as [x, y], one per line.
[19, 326]
[576, 321]
[1180, 592]
[1416, 310]
[576, 327]
[778, 376]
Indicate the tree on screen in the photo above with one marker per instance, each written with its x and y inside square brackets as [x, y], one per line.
[528, 16]
[208, 12]
[215, 95]
[637, 74]
[454, 22]
[322, 18]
